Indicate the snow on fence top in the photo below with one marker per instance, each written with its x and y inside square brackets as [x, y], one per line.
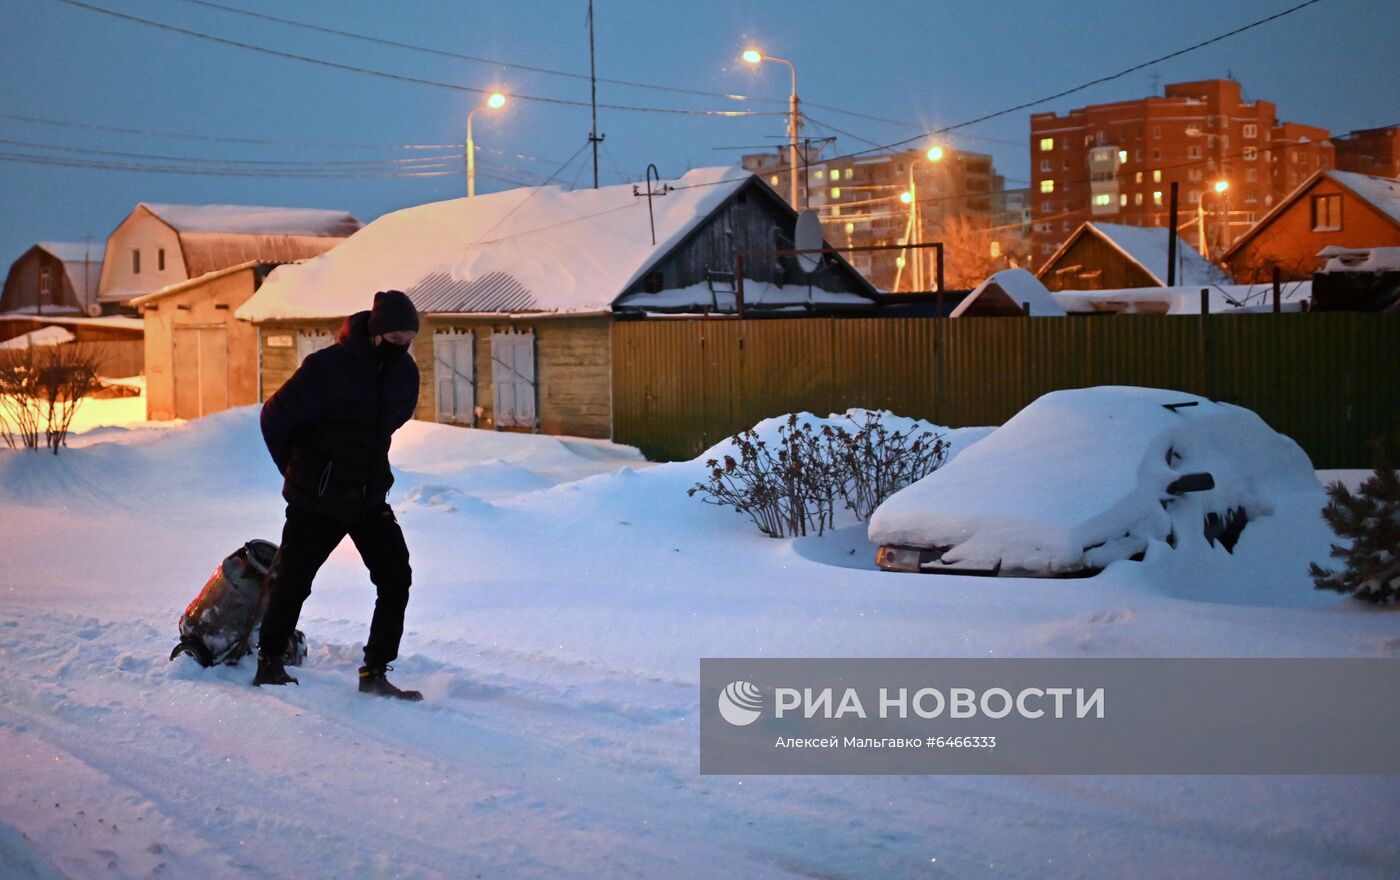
[548, 248]
[255, 220]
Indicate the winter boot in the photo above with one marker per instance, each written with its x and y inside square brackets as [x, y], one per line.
[271, 671]
[374, 681]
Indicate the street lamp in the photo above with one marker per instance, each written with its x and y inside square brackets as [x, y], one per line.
[1222, 189]
[910, 197]
[756, 57]
[494, 101]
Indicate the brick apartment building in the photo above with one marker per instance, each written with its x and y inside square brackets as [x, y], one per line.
[1373, 151]
[1116, 163]
[859, 202]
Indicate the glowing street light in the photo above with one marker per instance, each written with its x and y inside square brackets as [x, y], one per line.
[1222, 185]
[494, 101]
[756, 57]
[910, 197]
[934, 154]
[906, 197]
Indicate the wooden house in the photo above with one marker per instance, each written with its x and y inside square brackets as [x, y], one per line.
[1332, 209]
[198, 359]
[519, 290]
[157, 246]
[54, 278]
[1111, 256]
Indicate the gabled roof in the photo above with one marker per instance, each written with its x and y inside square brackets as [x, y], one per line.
[82, 261]
[254, 220]
[1014, 288]
[1381, 193]
[1146, 246]
[181, 286]
[534, 249]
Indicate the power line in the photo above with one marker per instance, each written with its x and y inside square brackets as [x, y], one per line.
[1070, 91]
[182, 135]
[335, 65]
[681, 90]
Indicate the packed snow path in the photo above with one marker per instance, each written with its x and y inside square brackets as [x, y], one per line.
[564, 593]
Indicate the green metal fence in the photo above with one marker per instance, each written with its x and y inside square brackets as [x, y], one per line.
[1329, 380]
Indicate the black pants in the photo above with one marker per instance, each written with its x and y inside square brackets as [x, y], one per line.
[307, 541]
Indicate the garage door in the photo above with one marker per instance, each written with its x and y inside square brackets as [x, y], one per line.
[201, 370]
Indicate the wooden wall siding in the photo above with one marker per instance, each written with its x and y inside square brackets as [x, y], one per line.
[1327, 380]
[573, 358]
[751, 220]
[22, 283]
[1092, 254]
[142, 231]
[276, 365]
[201, 307]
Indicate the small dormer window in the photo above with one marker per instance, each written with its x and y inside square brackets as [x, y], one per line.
[135, 261]
[160, 259]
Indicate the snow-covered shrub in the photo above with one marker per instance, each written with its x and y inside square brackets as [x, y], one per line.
[791, 484]
[1370, 520]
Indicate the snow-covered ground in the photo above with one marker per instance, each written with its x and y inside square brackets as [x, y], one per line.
[564, 593]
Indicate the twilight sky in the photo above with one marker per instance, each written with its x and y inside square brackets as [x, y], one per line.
[926, 64]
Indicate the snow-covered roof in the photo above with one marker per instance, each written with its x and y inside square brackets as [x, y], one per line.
[74, 251]
[1183, 300]
[1377, 259]
[254, 219]
[538, 249]
[1382, 193]
[71, 319]
[1147, 247]
[179, 286]
[42, 336]
[1015, 287]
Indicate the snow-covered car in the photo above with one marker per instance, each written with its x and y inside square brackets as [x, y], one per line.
[1083, 478]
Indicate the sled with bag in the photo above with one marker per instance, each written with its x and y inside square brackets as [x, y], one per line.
[222, 624]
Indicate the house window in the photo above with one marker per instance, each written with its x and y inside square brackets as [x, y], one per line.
[1137, 178]
[1193, 152]
[1250, 196]
[1157, 198]
[1157, 175]
[1326, 213]
[1251, 174]
[773, 180]
[1047, 144]
[1157, 132]
[1047, 186]
[1046, 165]
[312, 340]
[836, 192]
[454, 368]
[135, 261]
[1123, 200]
[1047, 207]
[45, 284]
[1193, 196]
[821, 174]
[1251, 131]
[160, 259]
[1250, 154]
[1122, 156]
[1137, 198]
[1156, 155]
[1103, 199]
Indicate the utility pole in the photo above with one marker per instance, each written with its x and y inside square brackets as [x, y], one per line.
[593, 137]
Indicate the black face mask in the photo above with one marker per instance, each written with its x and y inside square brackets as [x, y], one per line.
[389, 353]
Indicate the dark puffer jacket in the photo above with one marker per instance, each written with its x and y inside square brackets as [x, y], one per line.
[329, 427]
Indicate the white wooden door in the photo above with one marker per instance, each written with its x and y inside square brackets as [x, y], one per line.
[455, 371]
[513, 378]
[312, 340]
[200, 370]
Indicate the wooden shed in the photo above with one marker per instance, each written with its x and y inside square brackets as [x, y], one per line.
[55, 278]
[198, 359]
[520, 290]
[1332, 209]
[157, 245]
[1111, 256]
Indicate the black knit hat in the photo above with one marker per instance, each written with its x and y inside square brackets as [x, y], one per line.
[392, 311]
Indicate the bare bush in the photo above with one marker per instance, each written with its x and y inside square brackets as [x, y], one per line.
[41, 389]
[793, 487]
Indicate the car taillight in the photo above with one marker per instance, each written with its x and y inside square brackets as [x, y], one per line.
[898, 558]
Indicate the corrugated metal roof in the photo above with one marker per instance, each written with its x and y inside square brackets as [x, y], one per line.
[492, 292]
[255, 219]
[209, 252]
